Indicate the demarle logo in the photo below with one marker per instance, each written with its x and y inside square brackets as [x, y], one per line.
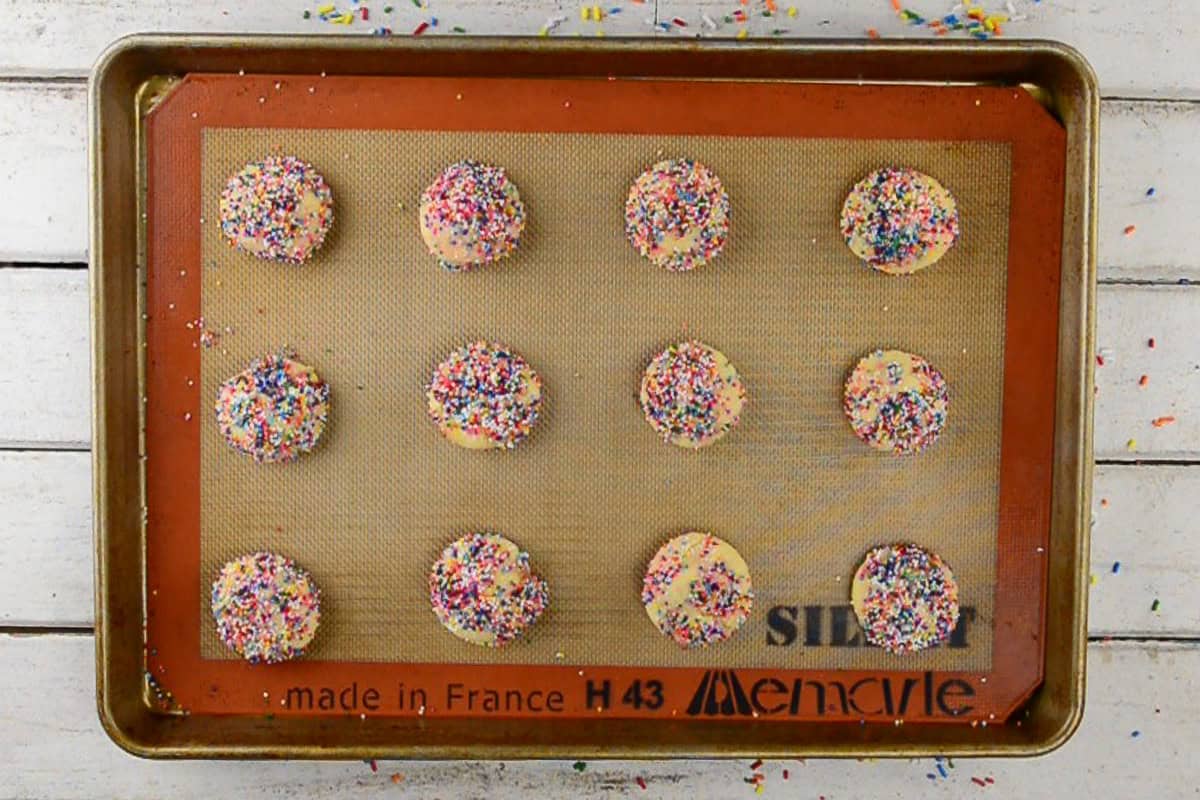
[720, 693]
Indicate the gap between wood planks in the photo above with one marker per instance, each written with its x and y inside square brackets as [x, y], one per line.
[77, 265]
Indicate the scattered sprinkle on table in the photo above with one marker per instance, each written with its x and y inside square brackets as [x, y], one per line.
[1162, 422]
[1130, 230]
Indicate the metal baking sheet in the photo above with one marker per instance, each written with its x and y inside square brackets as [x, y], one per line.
[581, 733]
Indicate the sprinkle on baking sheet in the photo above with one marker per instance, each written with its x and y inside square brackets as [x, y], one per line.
[579, 766]
[1142, 381]
[1162, 422]
[1116, 567]
[899, 220]
[1155, 605]
[278, 209]
[908, 599]
[691, 395]
[896, 402]
[483, 589]
[266, 608]
[716, 597]
[273, 410]
[641, 782]
[677, 214]
[471, 215]
[484, 390]
[1130, 230]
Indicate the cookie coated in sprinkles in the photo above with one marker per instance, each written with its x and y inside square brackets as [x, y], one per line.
[899, 220]
[274, 410]
[471, 215]
[896, 401]
[677, 214]
[279, 209]
[266, 608]
[905, 597]
[483, 396]
[691, 394]
[483, 590]
[697, 590]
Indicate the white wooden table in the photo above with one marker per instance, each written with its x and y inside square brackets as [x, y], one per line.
[1142, 719]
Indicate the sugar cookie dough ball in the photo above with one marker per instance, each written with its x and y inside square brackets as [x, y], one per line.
[274, 410]
[484, 395]
[677, 215]
[691, 394]
[266, 608]
[471, 215]
[279, 209]
[483, 590]
[896, 401]
[697, 590]
[899, 220]
[905, 598]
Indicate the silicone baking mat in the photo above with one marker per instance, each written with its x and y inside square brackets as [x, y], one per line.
[593, 492]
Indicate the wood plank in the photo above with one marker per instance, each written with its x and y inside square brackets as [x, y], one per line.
[45, 378]
[43, 159]
[56, 750]
[46, 539]
[1143, 146]
[1145, 525]
[1158, 420]
[1144, 519]
[45, 381]
[1137, 48]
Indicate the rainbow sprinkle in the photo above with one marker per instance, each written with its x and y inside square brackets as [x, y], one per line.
[677, 215]
[906, 598]
[273, 410]
[967, 18]
[277, 209]
[896, 401]
[691, 394]
[697, 590]
[484, 395]
[899, 220]
[471, 215]
[483, 590]
[266, 608]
